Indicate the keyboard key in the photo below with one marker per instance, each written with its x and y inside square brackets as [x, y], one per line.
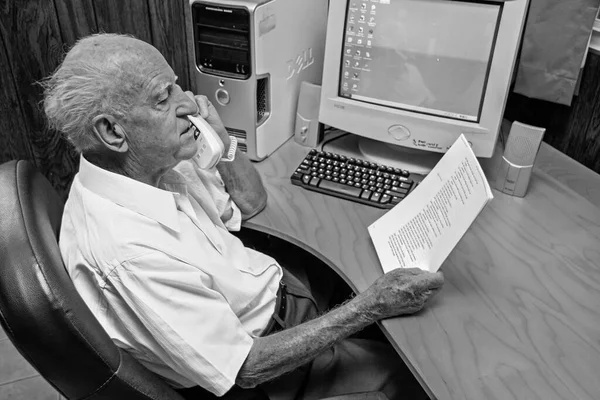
[392, 193]
[385, 199]
[376, 196]
[365, 195]
[306, 179]
[314, 181]
[339, 188]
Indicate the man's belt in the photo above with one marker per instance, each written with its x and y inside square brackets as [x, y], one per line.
[277, 320]
[280, 306]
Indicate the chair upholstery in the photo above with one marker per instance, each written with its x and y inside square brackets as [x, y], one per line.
[40, 310]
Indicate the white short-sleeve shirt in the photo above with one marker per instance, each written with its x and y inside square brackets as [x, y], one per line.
[163, 275]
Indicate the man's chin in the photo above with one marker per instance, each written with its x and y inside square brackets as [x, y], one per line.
[188, 152]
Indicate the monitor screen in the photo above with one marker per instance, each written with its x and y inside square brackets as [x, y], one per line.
[426, 56]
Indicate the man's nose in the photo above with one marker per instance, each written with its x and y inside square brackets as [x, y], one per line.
[187, 104]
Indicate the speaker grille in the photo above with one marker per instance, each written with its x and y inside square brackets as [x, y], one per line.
[243, 148]
[262, 103]
[523, 143]
[521, 150]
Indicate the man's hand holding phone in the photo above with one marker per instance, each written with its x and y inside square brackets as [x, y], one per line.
[208, 112]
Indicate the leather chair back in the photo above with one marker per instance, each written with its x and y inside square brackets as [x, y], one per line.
[40, 310]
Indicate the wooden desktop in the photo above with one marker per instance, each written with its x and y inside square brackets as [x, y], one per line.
[519, 314]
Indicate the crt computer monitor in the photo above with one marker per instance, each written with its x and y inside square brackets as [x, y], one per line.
[411, 76]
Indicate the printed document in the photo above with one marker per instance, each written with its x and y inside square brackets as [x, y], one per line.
[422, 229]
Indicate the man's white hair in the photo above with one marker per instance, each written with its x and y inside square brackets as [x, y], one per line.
[83, 87]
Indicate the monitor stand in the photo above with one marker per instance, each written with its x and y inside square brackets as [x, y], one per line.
[415, 161]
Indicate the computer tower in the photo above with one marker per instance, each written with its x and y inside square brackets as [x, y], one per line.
[249, 58]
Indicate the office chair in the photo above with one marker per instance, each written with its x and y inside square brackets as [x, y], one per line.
[44, 316]
[40, 310]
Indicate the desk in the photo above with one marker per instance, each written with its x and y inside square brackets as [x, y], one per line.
[519, 315]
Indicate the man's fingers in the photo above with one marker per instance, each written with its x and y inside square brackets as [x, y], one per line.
[430, 294]
[203, 103]
[436, 280]
[429, 281]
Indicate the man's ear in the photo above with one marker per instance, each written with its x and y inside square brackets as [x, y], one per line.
[110, 133]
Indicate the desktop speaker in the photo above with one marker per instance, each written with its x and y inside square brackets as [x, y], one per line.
[519, 156]
[308, 131]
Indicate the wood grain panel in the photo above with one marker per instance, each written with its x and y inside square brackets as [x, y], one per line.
[13, 130]
[517, 317]
[76, 19]
[124, 16]
[168, 36]
[582, 140]
[34, 49]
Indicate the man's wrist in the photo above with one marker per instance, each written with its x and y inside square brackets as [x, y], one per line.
[225, 138]
[366, 307]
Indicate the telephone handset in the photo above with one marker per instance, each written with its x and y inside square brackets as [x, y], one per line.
[210, 145]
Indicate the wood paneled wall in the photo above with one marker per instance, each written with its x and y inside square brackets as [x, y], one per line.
[34, 36]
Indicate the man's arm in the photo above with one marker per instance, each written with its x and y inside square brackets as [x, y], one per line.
[242, 181]
[402, 291]
[243, 184]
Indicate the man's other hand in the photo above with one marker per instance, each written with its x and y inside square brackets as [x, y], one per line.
[403, 291]
[207, 111]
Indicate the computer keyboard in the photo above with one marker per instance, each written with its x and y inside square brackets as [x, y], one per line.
[353, 179]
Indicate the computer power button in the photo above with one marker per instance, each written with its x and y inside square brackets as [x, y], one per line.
[222, 96]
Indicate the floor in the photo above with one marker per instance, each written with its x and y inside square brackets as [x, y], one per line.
[18, 379]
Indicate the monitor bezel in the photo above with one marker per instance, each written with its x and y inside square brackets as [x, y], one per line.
[417, 130]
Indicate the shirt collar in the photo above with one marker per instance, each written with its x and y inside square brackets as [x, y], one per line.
[155, 203]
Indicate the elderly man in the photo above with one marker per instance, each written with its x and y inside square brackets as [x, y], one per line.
[145, 238]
